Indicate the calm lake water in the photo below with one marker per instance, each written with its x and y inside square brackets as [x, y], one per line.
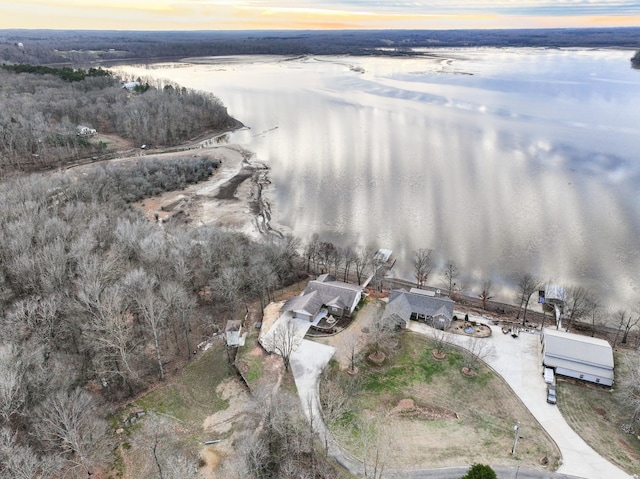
[503, 160]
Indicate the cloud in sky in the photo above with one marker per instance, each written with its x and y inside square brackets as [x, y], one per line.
[309, 14]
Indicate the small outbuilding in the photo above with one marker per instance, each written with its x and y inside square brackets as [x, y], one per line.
[576, 356]
[233, 333]
[82, 130]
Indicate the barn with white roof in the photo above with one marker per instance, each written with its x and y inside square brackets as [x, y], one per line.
[577, 356]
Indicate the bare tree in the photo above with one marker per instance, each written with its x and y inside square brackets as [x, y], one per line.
[629, 386]
[450, 274]
[439, 337]
[631, 323]
[476, 351]
[22, 462]
[68, 423]
[595, 314]
[311, 249]
[12, 374]
[350, 347]
[362, 261]
[327, 253]
[487, 294]
[337, 393]
[423, 265]
[576, 304]
[375, 446]
[348, 257]
[285, 340]
[164, 457]
[110, 335]
[382, 332]
[626, 322]
[154, 314]
[526, 285]
[181, 305]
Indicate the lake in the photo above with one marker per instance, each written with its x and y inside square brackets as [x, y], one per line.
[502, 160]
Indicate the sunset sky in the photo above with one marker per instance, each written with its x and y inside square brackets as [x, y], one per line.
[315, 14]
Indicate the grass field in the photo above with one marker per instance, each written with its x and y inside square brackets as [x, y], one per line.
[454, 420]
[597, 415]
[174, 415]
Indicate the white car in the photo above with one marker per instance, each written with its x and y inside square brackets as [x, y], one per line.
[548, 376]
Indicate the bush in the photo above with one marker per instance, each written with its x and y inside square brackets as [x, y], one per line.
[480, 471]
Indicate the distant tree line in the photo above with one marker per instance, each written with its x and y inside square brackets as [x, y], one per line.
[40, 112]
[635, 60]
[65, 73]
[96, 303]
[83, 48]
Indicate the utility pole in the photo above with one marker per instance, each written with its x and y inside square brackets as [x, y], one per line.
[516, 428]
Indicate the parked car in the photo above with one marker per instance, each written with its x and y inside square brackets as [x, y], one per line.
[551, 394]
[548, 375]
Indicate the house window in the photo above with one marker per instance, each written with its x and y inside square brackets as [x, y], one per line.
[597, 380]
[414, 316]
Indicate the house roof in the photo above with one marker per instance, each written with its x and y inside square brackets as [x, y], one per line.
[307, 303]
[400, 309]
[334, 293]
[403, 303]
[423, 303]
[565, 348]
[233, 325]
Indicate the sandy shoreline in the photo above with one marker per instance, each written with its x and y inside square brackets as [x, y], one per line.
[231, 198]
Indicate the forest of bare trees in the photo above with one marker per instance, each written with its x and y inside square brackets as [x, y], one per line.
[39, 116]
[78, 48]
[96, 303]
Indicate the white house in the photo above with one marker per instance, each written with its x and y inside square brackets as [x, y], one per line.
[85, 131]
[577, 356]
[130, 85]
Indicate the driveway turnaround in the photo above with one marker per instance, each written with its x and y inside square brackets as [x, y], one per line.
[519, 362]
[307, 363]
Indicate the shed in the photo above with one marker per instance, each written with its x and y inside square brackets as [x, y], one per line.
[233, 333]
[576, 356]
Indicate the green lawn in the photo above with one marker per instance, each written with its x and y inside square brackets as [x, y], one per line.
[191, 397]
[457, 420]
[175, 409]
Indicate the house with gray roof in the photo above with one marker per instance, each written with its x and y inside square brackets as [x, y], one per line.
[577, 356]
[419, 305]
[339, 298]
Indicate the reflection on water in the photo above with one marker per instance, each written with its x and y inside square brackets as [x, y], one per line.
[503, 160]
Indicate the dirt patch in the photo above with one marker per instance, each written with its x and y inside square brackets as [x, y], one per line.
[219, 426]
[222, 421]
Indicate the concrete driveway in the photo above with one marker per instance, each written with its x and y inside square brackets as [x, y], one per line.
[519, 362]
[307, 363]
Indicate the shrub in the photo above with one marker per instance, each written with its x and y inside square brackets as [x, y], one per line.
[480, 471]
